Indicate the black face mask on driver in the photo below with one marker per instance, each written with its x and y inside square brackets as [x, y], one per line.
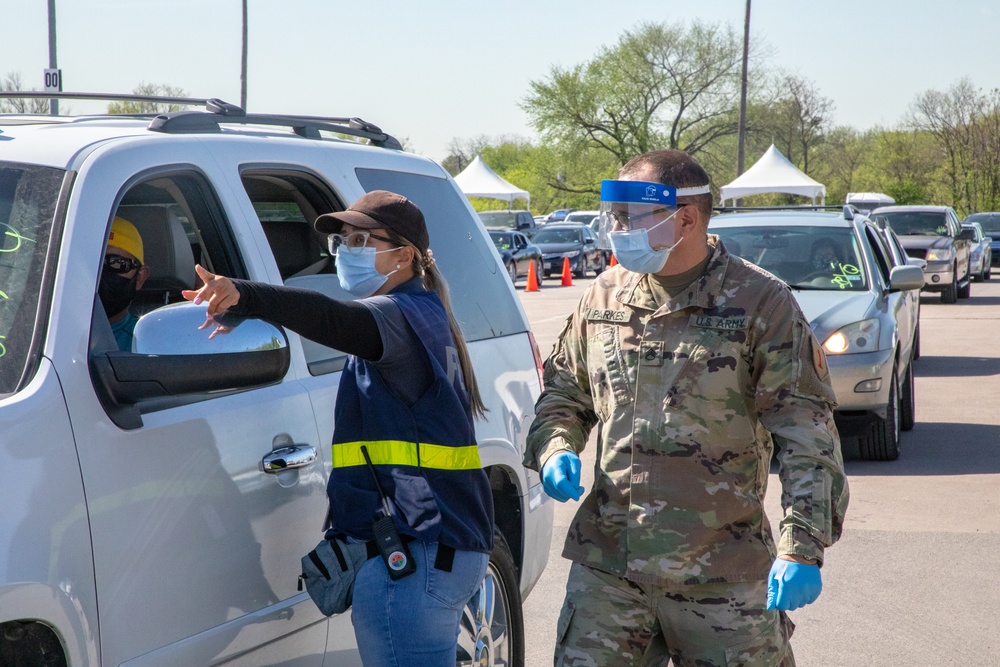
[116, 292]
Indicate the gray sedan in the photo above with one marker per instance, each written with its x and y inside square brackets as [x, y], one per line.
[859, 304]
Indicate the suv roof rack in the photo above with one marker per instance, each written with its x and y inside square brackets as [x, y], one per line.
[848, 210]
[218, 111]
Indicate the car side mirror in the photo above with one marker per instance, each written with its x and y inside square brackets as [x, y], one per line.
[904, 278]
[588, 240]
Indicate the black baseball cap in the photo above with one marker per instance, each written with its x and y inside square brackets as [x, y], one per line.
[380, 209]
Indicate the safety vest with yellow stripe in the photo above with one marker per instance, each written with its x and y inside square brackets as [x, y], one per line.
[425, 455]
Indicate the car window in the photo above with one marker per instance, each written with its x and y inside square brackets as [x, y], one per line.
[551, 235]
[990, 222]
[481, 298]
[883, 258]
[917, 223]
[28, 203]
[501, 240]
[805, 257]
[520, 241]
[503, 219]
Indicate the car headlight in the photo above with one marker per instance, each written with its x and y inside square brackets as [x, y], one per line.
[940, 254]
[854, 338]
[572, 254]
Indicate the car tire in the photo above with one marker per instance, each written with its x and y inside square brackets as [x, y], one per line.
[581, 268]
[907, 401]
[989, 270]
[881, 443]
[950, 293]
[491, 629]
[965, 291]
[916, 343]
[601, 264]
[512, 272]
[540, 274]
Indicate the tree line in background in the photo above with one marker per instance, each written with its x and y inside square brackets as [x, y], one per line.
[674, 85]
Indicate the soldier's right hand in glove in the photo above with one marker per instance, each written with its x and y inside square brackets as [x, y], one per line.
[561, 476]
[792, 585]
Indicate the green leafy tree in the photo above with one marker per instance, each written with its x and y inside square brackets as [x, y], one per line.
[150, 90]
[661, 86]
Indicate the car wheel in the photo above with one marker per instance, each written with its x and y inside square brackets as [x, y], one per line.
[540, 274]
[491, 630]
[989, 270]
[965, 291]
[601, 264]
[950, 293]
[907, 401]
[881, 443]
[916, 344]
[512, 271]
[581, 268]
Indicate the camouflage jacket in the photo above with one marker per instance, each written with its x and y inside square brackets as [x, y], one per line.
[687, 397]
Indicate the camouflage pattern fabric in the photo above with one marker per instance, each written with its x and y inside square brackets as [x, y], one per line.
[688, 397]
[607, 621]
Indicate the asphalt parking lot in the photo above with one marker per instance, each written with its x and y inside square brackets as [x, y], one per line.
[915, 580]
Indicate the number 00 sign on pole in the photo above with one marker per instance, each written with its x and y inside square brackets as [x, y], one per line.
[53, 80]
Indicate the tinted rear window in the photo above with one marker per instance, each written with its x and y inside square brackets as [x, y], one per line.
[481, 298]
[499, 219]
[917, 223]
[990, 222]
[551, 235]
[28, 198]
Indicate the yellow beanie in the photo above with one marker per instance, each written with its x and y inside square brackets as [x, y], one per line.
[126, 237]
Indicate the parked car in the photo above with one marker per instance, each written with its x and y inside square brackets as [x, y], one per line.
[569, 240]
[990, 222]
[517, 254]
[558, 215]
[900, 258]
[981, 256]
[581, 217]
[933, 233]
[859, 303]
[521, 221]
[157, 501]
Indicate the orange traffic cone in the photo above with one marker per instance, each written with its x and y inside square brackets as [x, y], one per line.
[532, 285]
[567, 276]
[614, 261]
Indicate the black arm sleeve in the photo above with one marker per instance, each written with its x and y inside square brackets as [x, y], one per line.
[343, 325]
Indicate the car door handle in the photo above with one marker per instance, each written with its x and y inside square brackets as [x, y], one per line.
[288, 457]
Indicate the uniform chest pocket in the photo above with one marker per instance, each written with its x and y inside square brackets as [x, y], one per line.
[610, 383]
[716, 362]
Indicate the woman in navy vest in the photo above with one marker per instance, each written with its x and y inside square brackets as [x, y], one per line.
[407, 398]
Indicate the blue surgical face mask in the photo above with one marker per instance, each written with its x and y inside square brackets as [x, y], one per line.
[634, 252]
[357, 273]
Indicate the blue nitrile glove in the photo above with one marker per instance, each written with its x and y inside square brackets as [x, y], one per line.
[792, 585]
[561, 476]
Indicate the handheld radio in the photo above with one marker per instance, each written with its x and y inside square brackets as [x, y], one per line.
[397, 557]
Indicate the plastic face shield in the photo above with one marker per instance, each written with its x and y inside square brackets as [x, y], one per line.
[633, 205]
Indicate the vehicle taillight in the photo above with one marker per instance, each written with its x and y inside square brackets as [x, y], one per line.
[538, 360]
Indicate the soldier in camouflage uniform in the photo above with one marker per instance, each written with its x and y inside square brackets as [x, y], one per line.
[688, 373]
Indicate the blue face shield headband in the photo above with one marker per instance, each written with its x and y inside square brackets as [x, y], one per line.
[634, 222]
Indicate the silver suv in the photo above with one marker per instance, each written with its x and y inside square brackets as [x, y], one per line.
[156, 501]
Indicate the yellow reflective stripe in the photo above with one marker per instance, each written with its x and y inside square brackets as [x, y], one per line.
[402, 453]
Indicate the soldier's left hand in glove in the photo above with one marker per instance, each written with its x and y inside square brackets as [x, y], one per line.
[561, 476]
[791, 585]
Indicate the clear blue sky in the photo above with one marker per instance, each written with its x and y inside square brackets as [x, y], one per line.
[435, 70]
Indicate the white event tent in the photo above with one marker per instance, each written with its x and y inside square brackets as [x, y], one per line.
[478, 180]
[773, 173]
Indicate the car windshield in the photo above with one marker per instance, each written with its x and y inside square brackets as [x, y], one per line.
[917, 223]
[28, 197]
[502, 241]
[990, 222]
[583, 218]
[498, 219]
[551, 235]
[808, 258]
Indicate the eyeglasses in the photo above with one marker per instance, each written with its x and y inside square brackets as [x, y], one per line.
[355, 242]
[119, 264]
[626, 220]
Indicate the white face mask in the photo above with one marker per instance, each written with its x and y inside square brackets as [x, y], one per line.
[357, 273]
[633, 250]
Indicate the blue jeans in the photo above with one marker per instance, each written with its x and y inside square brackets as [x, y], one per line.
[414, 620]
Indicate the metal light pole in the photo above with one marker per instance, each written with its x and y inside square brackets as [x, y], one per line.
[53, 103]
[243, 70]
[743, 93]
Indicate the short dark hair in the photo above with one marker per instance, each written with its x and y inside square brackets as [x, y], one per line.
[677, 168]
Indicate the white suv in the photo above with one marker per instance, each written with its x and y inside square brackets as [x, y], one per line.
[156, 502]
